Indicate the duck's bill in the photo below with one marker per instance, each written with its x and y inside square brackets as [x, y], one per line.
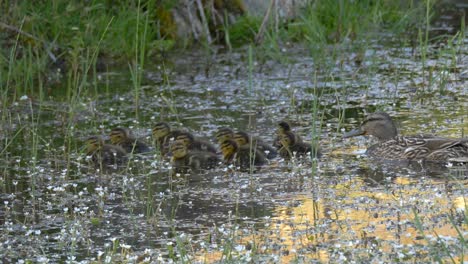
[353, 133]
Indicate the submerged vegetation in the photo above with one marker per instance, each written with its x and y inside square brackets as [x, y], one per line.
[77, 73]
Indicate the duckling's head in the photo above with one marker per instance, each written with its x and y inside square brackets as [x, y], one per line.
[242, 138]
[178, 149]
[161, 130]
[229, 147]
[378, 124]
[283, 127]
[118, 135]
[185, 137]
[287, 139]
[223, 134]
[93, 143]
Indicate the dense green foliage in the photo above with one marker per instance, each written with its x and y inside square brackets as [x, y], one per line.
[75, 36]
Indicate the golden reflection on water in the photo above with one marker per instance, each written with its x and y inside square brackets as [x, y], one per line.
[351, 224]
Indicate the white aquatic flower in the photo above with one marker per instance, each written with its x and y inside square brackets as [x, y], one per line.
[125, 246]
[59, 189]
[23, 98]
[42, 259]
[239, 248]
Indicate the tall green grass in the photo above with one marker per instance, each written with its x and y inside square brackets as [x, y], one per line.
[326, 22]
[58, 34]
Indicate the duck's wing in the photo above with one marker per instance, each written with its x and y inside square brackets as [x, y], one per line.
[434, 148]
[399, 148]
[445, 149]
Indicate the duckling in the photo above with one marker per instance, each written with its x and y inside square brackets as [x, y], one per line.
[195, 144]
[184, 160]
[223, 134]
[292, 148]
[104, 154]
[243, 156]
[244, 139]
[162, 134]
[123, 138]
[283, 128]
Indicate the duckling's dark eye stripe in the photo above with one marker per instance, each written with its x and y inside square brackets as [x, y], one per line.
[223, 133]
[178, 146]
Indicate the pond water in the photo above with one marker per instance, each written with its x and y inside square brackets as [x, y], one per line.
[342, 207]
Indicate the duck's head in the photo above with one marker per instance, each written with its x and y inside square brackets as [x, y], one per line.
[242, 138]
[379, 125]
[223, 134]
[283, 127]
[186, 137]
[119, 135]
[178, 149]
[229, 147]
[287, 139]
[93, 143]
[161, 130]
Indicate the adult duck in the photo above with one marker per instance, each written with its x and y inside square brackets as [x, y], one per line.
[391, 146]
